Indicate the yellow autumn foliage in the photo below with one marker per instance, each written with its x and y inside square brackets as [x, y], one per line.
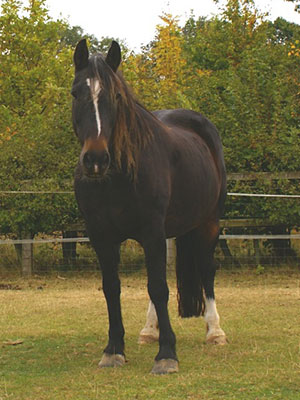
[158, 74]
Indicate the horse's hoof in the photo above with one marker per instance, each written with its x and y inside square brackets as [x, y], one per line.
[217, 338]
[111, 360]
[165, 366]
[148, 338]
[148, 335]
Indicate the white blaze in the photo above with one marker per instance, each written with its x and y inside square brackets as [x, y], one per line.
[95, 89]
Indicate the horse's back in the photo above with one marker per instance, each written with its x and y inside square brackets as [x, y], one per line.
[197, 123]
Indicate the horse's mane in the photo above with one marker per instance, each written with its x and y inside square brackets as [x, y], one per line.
[132, 130]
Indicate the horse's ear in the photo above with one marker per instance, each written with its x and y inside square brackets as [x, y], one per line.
[113, 57]
[81, 55]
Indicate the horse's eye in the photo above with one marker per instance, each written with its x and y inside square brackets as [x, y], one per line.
[118, 95]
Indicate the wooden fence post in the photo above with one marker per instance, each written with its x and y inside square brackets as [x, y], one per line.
[27, 256]
[256, 251]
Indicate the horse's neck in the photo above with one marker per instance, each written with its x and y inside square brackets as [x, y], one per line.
[151, 120]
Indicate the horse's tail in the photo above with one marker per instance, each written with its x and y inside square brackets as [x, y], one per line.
[189, 284]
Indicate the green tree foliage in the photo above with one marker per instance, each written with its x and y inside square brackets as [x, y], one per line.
[157, 73]
[244, 86]
[38, 148]
[72, 35]
[238, 69]
[242, 72]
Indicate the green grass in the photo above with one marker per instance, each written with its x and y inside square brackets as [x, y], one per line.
[63, 326]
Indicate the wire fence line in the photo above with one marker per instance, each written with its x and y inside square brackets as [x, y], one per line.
[287, 196]
[260, 237]
[43, 241]
[290, 196]
[34, 192]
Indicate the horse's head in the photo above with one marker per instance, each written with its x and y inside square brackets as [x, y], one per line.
[95, 102]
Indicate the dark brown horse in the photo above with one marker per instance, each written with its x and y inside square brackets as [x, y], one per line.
[147, 176]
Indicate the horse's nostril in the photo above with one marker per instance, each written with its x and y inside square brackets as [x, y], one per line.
[95, 163]
[106, 159]
[87, 160]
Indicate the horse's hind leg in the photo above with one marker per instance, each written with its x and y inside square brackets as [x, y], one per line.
[150, 332]
[215, 334]
[195, 278]
[207, 242]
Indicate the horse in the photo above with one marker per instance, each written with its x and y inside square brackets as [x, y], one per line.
[147, 176]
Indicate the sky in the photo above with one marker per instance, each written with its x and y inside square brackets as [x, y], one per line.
[135, 20]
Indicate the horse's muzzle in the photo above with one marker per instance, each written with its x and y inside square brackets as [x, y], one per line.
[95, 159]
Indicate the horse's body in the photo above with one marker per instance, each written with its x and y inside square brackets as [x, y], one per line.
[165, 177]
[169, 184]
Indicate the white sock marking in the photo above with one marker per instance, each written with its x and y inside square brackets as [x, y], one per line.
[95, 88]
[212, 319]
[151, 316]
[211, 314]
[151, 326]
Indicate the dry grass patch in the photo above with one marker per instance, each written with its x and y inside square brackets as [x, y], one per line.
[62, 324]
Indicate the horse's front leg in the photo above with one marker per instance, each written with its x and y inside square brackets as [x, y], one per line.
[154, 245]
[109, 257]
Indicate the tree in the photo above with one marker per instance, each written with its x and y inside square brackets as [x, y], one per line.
[243, 73]
[72, 35]
[156, 73]
[38, 148]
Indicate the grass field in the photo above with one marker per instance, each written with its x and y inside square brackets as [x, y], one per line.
[61, 327]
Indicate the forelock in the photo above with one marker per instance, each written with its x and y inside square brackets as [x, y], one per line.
[101, 71]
